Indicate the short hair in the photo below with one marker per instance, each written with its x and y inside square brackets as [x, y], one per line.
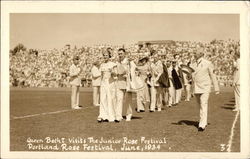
[122, 49]
[176, 55]
[107, 51]
[96, 62]
[76, 58]
[152, 52]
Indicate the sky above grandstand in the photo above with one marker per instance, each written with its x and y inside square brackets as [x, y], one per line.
[47, 31]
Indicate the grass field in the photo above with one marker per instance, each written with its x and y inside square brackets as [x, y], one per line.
[39, 113]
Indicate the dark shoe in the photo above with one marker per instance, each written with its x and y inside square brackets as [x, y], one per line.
[99, 120]
[151, 111]
[117, 121]
[106, 120]
[142, 110]
[201, 129]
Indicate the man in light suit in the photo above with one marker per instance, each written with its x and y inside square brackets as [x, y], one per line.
[156, 90]
[203, 77]
[96, 83]
[171, 89]
[122, 96]
[236, 82]
[75, 83]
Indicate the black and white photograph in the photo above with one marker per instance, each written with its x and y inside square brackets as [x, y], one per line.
[125, 81]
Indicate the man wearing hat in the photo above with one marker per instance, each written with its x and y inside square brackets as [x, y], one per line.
[203, 77]
[75, 82]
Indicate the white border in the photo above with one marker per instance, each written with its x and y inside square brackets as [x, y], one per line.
[124, 7]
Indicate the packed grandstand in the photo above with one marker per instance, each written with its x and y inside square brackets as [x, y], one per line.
[50, 68]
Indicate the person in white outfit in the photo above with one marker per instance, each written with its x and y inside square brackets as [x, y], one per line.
[142, 97]
[236, 82]
[75, 82]
[171, 89]
[121, 84]
[131, 87]
[155, 89]
[203, 77]
[107, 90]
[96, 82]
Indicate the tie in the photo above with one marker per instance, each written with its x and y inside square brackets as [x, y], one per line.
[198, 62]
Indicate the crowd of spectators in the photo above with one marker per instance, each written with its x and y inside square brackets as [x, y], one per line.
[50, 68]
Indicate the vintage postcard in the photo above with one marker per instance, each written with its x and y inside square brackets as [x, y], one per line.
[143, 79]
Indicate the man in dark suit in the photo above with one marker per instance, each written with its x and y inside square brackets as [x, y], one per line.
[177, 81]
[164, 81]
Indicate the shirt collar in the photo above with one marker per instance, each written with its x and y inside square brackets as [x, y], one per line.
[199, 60]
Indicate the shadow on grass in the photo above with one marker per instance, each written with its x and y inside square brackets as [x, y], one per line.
[136, 117]
[232, 100]
[230, 104]
[187, 122]
[230, 108]
[133, 117]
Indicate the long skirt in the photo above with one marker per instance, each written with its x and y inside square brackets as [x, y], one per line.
[107, 102]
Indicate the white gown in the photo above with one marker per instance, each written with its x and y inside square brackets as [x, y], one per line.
[107, 90]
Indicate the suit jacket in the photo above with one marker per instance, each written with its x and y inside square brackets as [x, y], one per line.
[74, 72]
[96, 76]
[157, 70]
[187, 78]
[164, 78]
[203, 77]
[177, 78]
[122, 71]
[180, 72]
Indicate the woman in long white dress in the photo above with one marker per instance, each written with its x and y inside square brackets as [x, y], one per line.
[143, 97]
[107, 90]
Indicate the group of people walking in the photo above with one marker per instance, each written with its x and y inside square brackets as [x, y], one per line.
[156, 80]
